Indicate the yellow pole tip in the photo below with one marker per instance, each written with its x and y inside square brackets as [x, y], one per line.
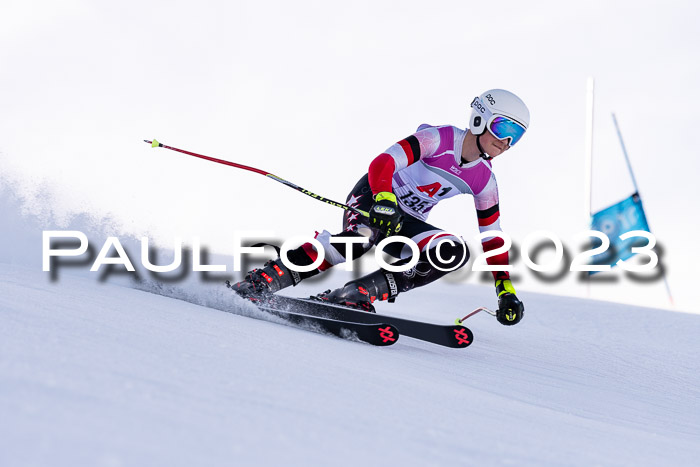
[155, 144]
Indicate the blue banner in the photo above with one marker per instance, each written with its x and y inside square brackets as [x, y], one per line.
[625, 216]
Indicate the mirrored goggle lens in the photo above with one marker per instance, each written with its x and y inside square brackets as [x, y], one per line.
[502, 127]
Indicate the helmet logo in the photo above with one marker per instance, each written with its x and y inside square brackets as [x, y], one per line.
[492, 101]
[476, 104]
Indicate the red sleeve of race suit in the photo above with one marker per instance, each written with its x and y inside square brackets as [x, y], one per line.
[498, 260]
[381, 170]
[400, 155]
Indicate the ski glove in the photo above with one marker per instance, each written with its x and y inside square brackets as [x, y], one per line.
[385, 214]
[510, 309]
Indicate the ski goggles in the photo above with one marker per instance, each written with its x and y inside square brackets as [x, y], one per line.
[503, 127]
[499, 126]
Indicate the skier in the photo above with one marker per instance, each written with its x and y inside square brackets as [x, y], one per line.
[402, 186]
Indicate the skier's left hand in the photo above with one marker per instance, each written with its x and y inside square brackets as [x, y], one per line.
[510, 308]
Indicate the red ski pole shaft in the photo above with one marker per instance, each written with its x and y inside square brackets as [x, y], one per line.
[481, 308]
[156, 144]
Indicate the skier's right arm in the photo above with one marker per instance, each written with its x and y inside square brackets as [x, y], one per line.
[410, 150]
[385, 214]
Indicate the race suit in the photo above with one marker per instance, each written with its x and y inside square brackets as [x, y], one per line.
[421, 170]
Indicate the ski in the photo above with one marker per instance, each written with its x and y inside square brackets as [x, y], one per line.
[455, 336]
[376, 333]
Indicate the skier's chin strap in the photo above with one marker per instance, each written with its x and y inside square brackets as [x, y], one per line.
[482, 154]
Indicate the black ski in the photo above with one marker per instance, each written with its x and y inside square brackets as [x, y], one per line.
[374, 333]
[455, 336]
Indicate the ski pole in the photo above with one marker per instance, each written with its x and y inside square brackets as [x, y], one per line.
[481, 308]
[156, 144]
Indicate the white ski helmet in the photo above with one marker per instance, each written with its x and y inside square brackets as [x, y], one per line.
[495, 103]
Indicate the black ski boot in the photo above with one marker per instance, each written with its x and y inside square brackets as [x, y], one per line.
[272, 277]
[362, 292]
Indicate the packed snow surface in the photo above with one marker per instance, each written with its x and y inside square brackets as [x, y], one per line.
[100, 374]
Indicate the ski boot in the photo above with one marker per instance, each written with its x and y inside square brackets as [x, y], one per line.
[272, 277]
[363, 292]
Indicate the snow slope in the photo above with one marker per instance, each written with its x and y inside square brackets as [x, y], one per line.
[97, 374]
